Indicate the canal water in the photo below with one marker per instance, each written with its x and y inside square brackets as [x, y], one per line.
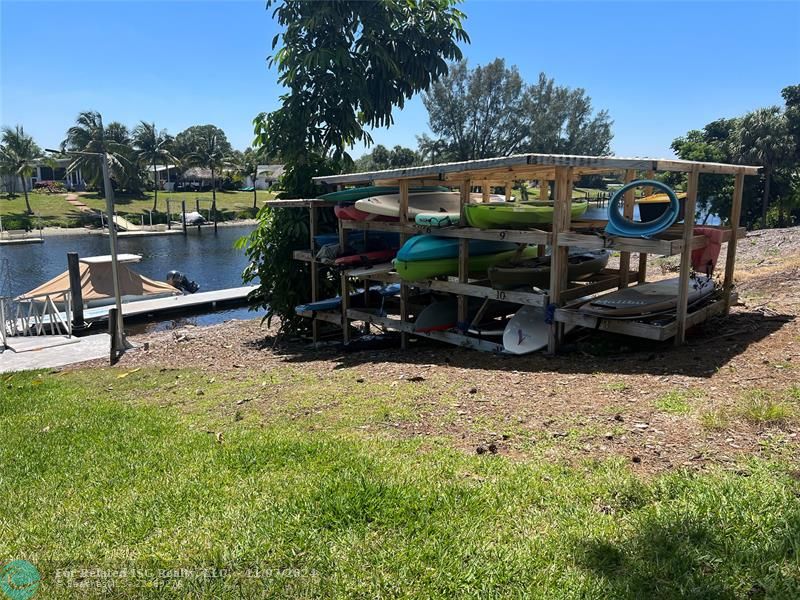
[209, 259]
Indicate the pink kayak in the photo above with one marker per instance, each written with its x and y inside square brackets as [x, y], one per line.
[351, 213]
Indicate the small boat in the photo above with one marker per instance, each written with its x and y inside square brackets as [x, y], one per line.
[424, 202]
[431, 247]
[97, 287]
[350, 195]
[646, 299]
[653, 206]
[514, 215]
[536, 271]
[416, 270]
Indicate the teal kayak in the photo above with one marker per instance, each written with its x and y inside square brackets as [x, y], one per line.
[359, 193]
[431, 247]
[439, 219]
[515, 215]
[425, 269]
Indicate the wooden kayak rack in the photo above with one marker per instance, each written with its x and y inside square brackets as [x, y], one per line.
[551, 171]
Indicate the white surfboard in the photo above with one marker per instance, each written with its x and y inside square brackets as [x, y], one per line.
[388, 205]
[527, 331]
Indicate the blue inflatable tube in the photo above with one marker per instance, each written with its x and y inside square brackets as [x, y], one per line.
[620, 225]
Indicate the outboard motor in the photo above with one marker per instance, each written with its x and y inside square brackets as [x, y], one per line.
[180, 281]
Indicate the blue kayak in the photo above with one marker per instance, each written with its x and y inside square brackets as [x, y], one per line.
[431, 247]
[334, 303]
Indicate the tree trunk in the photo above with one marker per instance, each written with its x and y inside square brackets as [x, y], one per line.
[27, 201]
[155, 187]
[765, 199]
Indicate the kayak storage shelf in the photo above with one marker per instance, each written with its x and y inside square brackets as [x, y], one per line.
[485, 179]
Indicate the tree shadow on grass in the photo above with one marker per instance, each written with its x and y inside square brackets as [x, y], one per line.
[687, 558]
[709, 347]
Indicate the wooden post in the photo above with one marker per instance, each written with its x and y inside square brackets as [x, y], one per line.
[686, 256]
[343, 291]
[169, 216]
[73, 267]
[485, 191]
[509, 189]
[735, 217]
[560, 254]
[544, 190]
[627, 210]
[463, 255]
[642, 278]
[403, 189]
[312, 230]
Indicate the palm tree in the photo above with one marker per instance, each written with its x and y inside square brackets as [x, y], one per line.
[762, 137]
[208, 154]
[248, 167]
[89, 135]
[153, 147]
[18, 157]
[428, 147]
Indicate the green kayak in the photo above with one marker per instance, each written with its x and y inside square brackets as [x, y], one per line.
[425, 269]
[515, 215]
[359, 193]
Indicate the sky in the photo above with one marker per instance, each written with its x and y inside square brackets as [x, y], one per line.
[659, 68]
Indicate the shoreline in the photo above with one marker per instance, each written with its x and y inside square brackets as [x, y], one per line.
[63, 231]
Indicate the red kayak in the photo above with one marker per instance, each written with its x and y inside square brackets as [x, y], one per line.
[365, 258]
[351, 213]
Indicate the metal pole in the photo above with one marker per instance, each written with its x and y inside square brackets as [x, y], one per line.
[120, 342]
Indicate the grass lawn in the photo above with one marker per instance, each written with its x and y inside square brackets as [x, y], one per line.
[54, 209]
[159, 469]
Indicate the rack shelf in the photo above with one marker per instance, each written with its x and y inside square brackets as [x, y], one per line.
[649, 331]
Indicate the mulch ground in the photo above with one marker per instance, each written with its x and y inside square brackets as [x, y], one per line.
[604, 396]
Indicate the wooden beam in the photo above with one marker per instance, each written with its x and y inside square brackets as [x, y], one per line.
[312, 230]
[485, 190]
[560, 254]
[403, 237]
[544, 189]
[686, 257]
[628, 204]
[509, 185]
[735, 217]
[463, 255]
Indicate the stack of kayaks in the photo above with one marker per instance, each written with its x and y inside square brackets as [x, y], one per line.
[535, 272]
[426, 256]
[419, 202]
[345, 200]
[515, 215]
[647, 299]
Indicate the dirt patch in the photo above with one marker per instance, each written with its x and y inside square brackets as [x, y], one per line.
[657, 406]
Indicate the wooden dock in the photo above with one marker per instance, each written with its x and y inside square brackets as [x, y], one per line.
[237, 295]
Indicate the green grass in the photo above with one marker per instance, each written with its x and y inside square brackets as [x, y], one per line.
[54, 210]
[102, 472]
[677, 402]
[765, 407]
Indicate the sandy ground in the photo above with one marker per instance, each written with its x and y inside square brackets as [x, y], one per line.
[658, 406]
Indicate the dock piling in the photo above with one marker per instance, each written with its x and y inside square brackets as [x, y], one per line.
[73, 267]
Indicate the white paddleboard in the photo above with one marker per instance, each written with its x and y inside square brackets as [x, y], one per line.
[527, 331]
[646, 298]
[388, 205]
